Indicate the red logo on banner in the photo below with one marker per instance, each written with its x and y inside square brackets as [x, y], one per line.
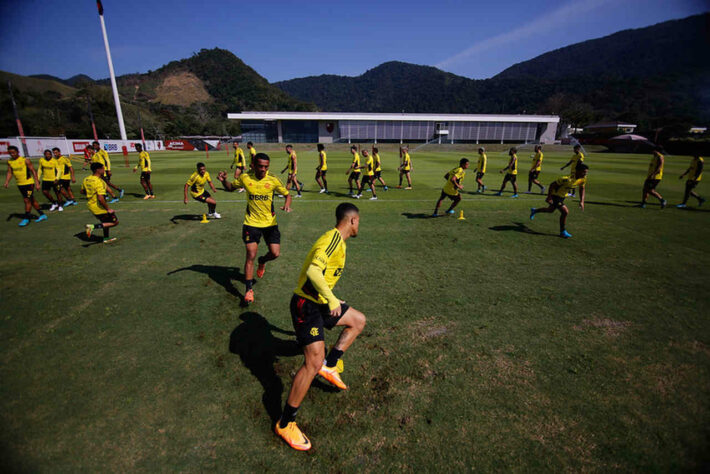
[79, 146]
[3, 148]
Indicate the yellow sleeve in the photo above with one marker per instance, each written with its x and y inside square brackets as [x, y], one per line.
[315, 275]
[279, 187]
[207, 176]
[191, 179]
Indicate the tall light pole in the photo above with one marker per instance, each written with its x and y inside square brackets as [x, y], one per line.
[119, 114]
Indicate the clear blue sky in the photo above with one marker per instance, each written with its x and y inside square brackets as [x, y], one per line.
[287, 39]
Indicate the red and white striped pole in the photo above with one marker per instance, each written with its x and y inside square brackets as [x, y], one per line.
[17, 120]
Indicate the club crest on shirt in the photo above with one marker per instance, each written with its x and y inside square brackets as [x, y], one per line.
[267, 185]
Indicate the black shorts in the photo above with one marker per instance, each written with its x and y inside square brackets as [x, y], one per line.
[480, 175]
[378, 174]
[534, 174]
[650, 184]
[145, 175]
[510, 177]
[48, 185]
[64, 183]
[321, 173]
[354, 175]
[691, 184]
[202, 197]
[309, 319]
[367, 179]
[557, 201]
[26, 190]
[107, 217]
[453, 197]
[253, 234]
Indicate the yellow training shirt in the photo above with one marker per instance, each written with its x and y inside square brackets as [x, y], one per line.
[513, 168]
[197, 183]
[566, 184]
[324, 157]
[356, 162]
[144, 162]
[537, 160]
[449, 187]
[482, 162]
[48, 169]
[94, 186]
[291, 157]
[252, 154]
[694, 165]
[406, 162]
[370, 163]
[328, 254]
[239, 160]
[655, 162]
[378, 162]
[65, 166]
[101, 156]
[260, 198]
[20, 171]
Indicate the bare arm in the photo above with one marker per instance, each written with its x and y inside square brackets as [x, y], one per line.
[8, 175]
[102, 202]
[568, 163]
[187, 186]
[212, 186]
[28, 163]
[581, 196]
[71, 170]
[287, 205]
[222, 177]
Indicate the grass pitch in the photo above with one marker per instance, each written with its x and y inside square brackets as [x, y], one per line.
[491, 343]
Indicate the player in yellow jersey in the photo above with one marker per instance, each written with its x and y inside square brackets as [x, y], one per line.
[101, 156]
[252, 153]
[239, 163]
[512, 173]
[94, 187]
[369, 177]
[405, 168]
[260, 217]
[27, 181]
[196, 186]
[354, 172]
[577, 158]
[145, 165]
[378, 167]
[49, 174]
[453, 185]
[535, 169]
[65, 170]
[695, 174]
[481, 169]
[292, 167]
[322, 169]
[654, 176]
[314, 308]
[558, 190]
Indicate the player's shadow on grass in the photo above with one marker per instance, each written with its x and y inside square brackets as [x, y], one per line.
[421, 215]
[186, 217]
[136, 195]
[15, 215]
[612, 204]
[93, 240]
[517, 227]
[259, 350]
[220, 275]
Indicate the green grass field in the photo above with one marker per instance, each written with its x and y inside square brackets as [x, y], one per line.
[491, 343]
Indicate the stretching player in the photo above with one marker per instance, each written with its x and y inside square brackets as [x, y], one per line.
[405, 168]
[655, 175]
[66, 176]
[292, 167]
[88, 154]
[196, 185]
[452, 187]
[94, 187]
[369, 177]
[577, 158]
[260, 218]
[354, 172]
[101, 156]
[27, 182]
[512, 173]
[48, 172]
[315, 307]
[695, 174]
[322, 169]
[378, 167]
[535, 169]
[481, 170]
[557, 192]
[146, 170]
[252, 153]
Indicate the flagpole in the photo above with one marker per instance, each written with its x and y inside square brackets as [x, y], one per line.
[17, 120]
[119, 114]
[91, 117]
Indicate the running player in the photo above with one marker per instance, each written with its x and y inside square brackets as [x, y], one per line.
[239, 163]
[369, 177]
[252, 153]
[512, 173]
[695, 174]
[260, 218]
[378, 167]
[535, 169]
[452, 187]
[481, 169]
[66, 176]
[27, 182]
[49, 175]
[94, 187]
[405, 168]
[353, 172]
[558, 190]
[655, 175]
[315, 307]
[196, 185]
[322, 169]
[292, 167]
[577, 158]
[145, 165]
[101, 156]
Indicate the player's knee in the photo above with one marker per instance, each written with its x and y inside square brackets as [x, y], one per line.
[275, 252]
[313, 363]
[358, 320]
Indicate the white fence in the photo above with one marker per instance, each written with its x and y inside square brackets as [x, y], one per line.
[37, 145]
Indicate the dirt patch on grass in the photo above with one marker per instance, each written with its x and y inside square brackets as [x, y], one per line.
[610, 327]
[429, 328]
[182, 88]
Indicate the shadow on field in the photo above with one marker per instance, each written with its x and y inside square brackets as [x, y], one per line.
[136, 195]
[691, 209]
[186, 217]
[220, 275]
[421, 215]
[518, 227]
[15, 215]
[93, 240]
[612, 204]
[253, 341]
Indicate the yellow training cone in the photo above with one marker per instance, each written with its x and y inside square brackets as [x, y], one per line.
[204, 219]
[461, 217]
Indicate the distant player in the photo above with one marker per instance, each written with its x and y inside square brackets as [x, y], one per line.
[252, 153]
[557, 192]
[315, 307]
[405, 168]
[322, 169]
[453, 185]
[577, 158]
[101, 156]
[512, 173]
[369, 177]
[535, 169]
[88, 154]
[146, 170]
[481, 169]
[196, 186]
[655, 175]
[259, 218]
[239, 163]
[695, 174]
[49, 175]
[27, 182]
[94, 187]
[292, 167]
[66, 176]
[378, 167]
[354, 172]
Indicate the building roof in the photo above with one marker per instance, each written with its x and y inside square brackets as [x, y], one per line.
[610, 125]
[393, 117]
